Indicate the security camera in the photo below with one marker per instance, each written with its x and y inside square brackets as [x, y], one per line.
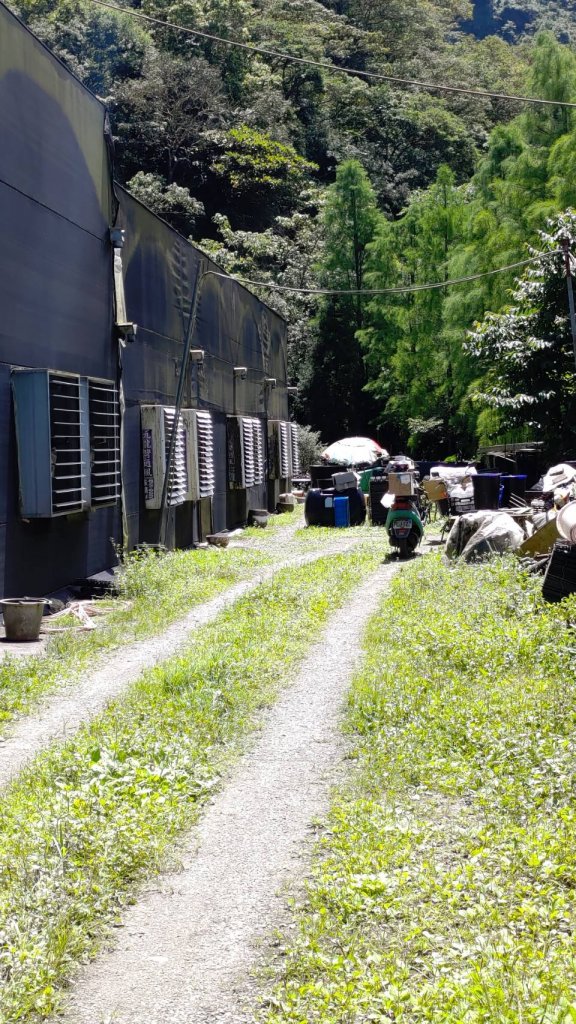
[292, 390]
[270, 382]
[197, 355]
[241, 372]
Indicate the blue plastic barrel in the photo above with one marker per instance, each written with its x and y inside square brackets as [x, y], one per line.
[341, 511]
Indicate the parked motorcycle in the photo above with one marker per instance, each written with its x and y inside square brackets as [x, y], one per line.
[404, 523]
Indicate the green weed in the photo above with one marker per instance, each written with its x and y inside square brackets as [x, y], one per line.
[154, 591]
[90, 819]
[444, 890]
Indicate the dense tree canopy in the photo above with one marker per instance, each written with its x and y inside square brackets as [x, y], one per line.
[300, 175]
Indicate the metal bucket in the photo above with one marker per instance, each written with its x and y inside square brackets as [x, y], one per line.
[23, 617]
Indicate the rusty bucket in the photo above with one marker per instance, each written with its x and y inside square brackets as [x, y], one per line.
[23, 617]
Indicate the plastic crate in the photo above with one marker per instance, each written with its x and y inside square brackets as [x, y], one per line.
[460, 506]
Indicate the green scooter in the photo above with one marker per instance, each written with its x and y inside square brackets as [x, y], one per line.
[404, 524]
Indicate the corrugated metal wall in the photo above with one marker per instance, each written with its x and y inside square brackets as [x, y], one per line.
[55, 284]
[56, 297]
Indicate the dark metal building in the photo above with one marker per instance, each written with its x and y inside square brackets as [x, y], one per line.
[86, 403]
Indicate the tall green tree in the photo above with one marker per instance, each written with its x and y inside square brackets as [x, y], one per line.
[526, 351]
[336, 403]
[415, 370]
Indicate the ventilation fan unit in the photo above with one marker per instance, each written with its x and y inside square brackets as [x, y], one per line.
[295, 450]
[199, 453]
[104, 417]
[157, 424]
[53, 438]
[248, 452]
[280, 449]
[234, 450]
[245, 442]
[258, 448]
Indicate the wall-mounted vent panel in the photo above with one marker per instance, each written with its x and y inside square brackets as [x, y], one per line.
[234, 450]
[258, 445]
[248, 452]
[285, 450]
[104, 415]
[52, 416]
[245, 441]
[157, 424]
[279, 440]
[295, 450]
[200, 453]
[178, 482]
[69, 443]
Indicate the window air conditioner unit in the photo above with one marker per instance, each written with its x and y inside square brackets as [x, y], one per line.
[199, 453]
[280, 449]
[157, 422]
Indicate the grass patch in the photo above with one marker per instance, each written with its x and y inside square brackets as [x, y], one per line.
[82, 826]
[445, 887]
[154, 591]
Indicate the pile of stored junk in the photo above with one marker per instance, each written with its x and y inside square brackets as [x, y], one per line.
[485, 512]
[492, 513]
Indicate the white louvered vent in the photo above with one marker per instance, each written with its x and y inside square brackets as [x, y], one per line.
[104, 414]
[200, 453]
[285, 460]
[258, 444]
[205, 454]
[234, 452]
[248, 452]
[68, 444]
[178, 480]
[295, 450]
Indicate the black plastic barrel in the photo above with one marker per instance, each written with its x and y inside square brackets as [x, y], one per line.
[513, 487]
[486, 490]
[319, 507]
[357, 502]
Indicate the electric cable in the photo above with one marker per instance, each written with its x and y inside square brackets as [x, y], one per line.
[50, 209]
[397, 290]
[308, 62]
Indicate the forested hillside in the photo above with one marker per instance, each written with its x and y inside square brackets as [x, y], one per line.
[513, 20]
[316, 175]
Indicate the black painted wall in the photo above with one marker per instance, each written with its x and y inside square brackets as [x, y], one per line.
[56, 295]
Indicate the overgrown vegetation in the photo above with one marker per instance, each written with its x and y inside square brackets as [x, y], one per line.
[443, 889]
[296, 175]
[89, 820]
[153, 591]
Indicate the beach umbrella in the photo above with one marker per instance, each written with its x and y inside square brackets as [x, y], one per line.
[354, 451]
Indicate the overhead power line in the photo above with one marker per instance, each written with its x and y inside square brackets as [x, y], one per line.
[398, 290]
[331, 68]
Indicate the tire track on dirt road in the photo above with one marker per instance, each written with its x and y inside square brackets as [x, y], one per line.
[62, 714]
[187, 948]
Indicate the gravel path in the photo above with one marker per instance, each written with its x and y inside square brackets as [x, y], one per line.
[62, 714]
[186, 950]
